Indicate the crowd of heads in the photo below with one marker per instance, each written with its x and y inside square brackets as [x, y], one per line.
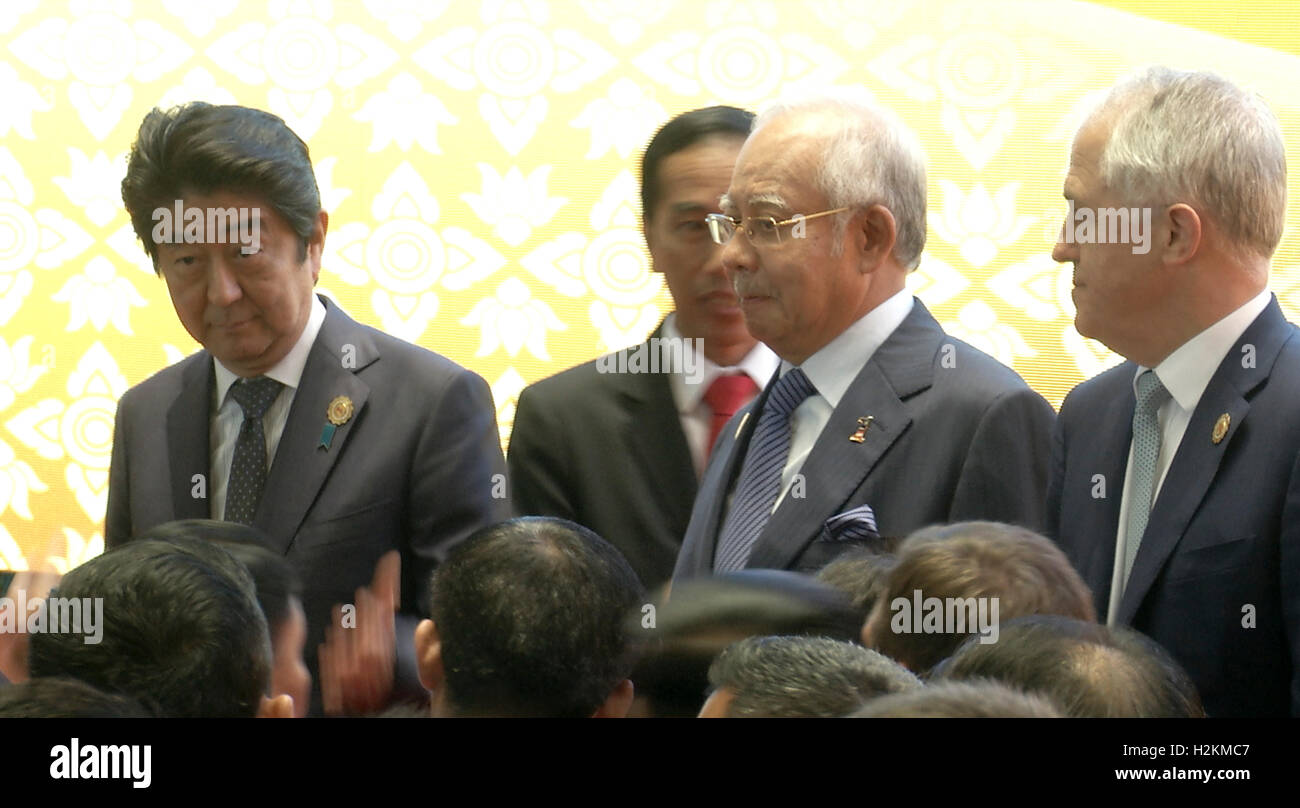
[540, 617]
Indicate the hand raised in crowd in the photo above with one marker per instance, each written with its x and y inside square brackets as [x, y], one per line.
[358, 656]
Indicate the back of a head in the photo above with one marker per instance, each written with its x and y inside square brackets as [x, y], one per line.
[860, 573]
[960, 700]
[60, 697]
[530, 617]
[704, 616]
[1003, 571]
[274, 578]
[199, 147]
[182, 631]
[1195, 137]
[1088, 670]
[803, 677]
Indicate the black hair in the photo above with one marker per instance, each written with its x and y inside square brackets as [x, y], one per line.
[60, 697]
[529, 613]
[275, 579]
[681, 133]
[199, 147]
[181, 630]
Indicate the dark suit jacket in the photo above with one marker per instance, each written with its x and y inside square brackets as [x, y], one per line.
[412, 470]
[1224, 531]
[956, 435]
[606, 450]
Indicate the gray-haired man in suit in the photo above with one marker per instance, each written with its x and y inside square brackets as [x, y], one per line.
[880, 423]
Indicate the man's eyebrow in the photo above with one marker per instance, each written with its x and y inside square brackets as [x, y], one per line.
[770, 199]
[687, 207]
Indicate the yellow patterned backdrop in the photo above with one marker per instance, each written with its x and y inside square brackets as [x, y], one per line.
[478, 163]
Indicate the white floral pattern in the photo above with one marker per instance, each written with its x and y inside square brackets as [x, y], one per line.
[478, 162]
[513, 320]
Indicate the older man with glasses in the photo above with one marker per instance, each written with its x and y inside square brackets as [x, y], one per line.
[878, 423]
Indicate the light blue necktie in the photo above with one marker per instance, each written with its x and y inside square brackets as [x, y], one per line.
[760, 477]
[1151, 395]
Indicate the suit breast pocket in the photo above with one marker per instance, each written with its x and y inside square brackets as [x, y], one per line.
[374, 524]
[1209, 556]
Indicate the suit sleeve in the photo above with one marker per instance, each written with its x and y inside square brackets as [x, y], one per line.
[1289, 552]
[457, 483]
[537, 461]
[1004, 477]
[117, 521]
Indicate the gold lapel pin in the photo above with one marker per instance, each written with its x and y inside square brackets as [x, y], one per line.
[864, 423]
[1221, 428]
[339, 413]
[740, 426]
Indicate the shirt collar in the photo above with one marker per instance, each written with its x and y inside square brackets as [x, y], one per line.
[288, 371]
[835, 366]
[759, 364]
[1186, 372]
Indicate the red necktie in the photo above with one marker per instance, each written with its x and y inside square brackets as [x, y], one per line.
[726, 395]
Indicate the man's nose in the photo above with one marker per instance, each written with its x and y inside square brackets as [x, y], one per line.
[1065, 249]
[737, 255]
[223, 286]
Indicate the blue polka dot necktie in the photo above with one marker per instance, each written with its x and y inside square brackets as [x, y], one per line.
[760, 477]
[1151, 396]
[248, 466]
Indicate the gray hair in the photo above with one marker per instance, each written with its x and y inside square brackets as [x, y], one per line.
[804, 677]
[1197, 137]
[872, 158]
[975, 699]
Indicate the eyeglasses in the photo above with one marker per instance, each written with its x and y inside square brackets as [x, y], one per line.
[760, 230]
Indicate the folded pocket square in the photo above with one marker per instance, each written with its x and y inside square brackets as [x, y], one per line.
[856, 524]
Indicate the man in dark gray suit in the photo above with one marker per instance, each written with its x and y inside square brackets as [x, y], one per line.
[880, 423]
[1176, 476]
[620, 451]
[337, 441]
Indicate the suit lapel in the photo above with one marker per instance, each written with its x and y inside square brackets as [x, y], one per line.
[655, 445]
[1108, 457]
[1197, 460]
[187, 437]
[301, 464]
[836, 467]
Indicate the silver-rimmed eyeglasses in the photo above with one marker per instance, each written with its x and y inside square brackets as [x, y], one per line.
[760, 230]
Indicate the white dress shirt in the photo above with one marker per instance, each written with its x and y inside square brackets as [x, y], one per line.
[224, 427]
[832, 370]
[694, 412]
[1185, 373]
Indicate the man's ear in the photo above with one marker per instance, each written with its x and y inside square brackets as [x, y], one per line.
[619, 701]
[428, 655]
[875, 236]
[279, 707]
[1185, 233]
[316, 243]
